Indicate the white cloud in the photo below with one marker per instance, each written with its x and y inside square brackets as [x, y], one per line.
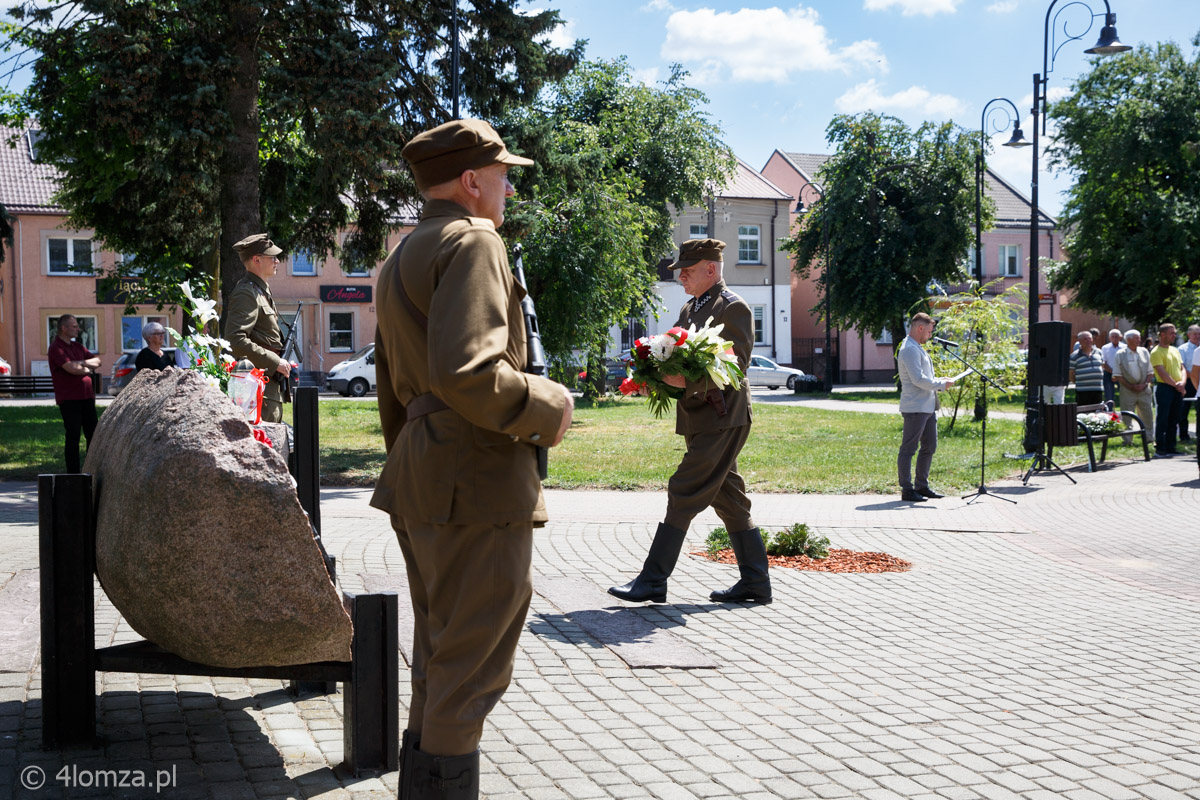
[767, 44]
[563, 37]
[868, 97]
[1055, 94]
[647, 76]
[911, 8]
[1003, 7]
[658, 5]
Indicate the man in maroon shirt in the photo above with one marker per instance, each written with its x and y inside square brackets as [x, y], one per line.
[71, 370]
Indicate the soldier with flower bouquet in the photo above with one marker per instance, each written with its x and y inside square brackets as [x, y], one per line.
[697, 355]
[702, 372]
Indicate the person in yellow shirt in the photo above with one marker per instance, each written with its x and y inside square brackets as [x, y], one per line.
[1168, 393]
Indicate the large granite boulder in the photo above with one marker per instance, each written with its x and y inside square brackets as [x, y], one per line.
[201, 543]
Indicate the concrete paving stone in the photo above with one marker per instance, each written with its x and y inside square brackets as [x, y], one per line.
[1155, 791]
[1110, 789]
[529, 782]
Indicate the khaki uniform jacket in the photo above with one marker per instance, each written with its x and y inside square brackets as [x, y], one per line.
[693, 414]
[476, 461]
[252, 328]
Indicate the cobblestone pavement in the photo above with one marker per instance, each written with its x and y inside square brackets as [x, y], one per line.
[1039, 650]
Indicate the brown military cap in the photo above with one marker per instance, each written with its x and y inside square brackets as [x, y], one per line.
[445, 152]
[257, 245]
[694, 251]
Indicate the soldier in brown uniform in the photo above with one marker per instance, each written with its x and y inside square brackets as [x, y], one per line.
[461, 422]
[252, 324]
[715, 424]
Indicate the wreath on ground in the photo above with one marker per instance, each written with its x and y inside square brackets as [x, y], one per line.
[799, 548]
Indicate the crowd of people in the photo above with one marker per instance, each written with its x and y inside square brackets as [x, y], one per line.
[1153, 379]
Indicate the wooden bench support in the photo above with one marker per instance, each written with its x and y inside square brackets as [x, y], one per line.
[70, 659]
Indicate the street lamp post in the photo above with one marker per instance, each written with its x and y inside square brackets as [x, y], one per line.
[801, 208]
[1107, 44]
[1016, 140]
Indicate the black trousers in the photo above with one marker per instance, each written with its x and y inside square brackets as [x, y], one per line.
[1190, 391]
[77, 415]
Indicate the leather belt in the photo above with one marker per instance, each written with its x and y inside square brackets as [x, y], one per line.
[423, 404]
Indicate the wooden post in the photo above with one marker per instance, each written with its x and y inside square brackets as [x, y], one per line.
[370, 700]
[66, 528]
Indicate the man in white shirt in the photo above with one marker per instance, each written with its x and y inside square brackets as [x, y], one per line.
[918, 406]
[1187, 352]
[1133, 374]
[1109, 353]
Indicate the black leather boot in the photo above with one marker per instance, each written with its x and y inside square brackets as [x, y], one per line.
[651, 584]
[755, 584]
[408, 745]
[443, 777]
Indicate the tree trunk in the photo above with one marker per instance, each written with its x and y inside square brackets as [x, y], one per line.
[240, 215]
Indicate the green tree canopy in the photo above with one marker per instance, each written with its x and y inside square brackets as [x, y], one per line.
[1130, 131]
[613, 156]
[898, 213]
[181, 126]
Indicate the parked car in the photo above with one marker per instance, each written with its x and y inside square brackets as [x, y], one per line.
[5, 369]
[765, 372]
[615, 373]
[123, 371]
[355, 376]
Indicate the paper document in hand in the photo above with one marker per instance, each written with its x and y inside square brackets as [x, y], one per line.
[960, 376]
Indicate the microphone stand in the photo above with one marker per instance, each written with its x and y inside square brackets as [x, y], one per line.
[982, 491]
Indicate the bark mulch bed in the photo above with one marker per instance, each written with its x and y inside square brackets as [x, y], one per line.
[838, 561]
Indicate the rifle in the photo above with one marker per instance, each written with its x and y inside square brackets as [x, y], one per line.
[289, 344]
[535, 362]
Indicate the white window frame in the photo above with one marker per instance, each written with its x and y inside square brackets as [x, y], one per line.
[885, 337]
[329, 331]
[698, 230]
[748, 240]
[971, 262]
[1005, 250]
[71, 238]
[144, 320]
[759, 317]
[89, 328]
[312, 261]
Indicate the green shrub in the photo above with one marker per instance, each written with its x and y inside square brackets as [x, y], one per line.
[717, 541]
[798, 540]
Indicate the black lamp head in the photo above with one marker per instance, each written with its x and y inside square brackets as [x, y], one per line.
[1018, 138]
[1108, 44]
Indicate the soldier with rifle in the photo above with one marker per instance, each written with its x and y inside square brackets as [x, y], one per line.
[252, 324]
[462, 419]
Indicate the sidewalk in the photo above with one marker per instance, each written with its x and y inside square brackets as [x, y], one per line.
[1037, 650]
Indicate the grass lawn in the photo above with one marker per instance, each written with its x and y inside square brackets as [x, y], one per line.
[617, 444]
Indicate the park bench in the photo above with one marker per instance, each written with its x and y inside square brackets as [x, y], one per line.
[1063, 429]
[26, 384]
[70, 659]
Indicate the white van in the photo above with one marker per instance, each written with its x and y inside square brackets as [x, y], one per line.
[355, 376]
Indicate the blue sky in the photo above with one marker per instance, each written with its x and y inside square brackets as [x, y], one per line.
[775, 74]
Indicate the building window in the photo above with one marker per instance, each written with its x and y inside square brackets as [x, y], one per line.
[131, 332]
[759, 328]
[969, 264]
[1010, 261]
[87, 332]
[303, 263]
[748, 245]
[697, 231]
[127, 266]
[885, 337]
[341, 332]
[68, 255]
